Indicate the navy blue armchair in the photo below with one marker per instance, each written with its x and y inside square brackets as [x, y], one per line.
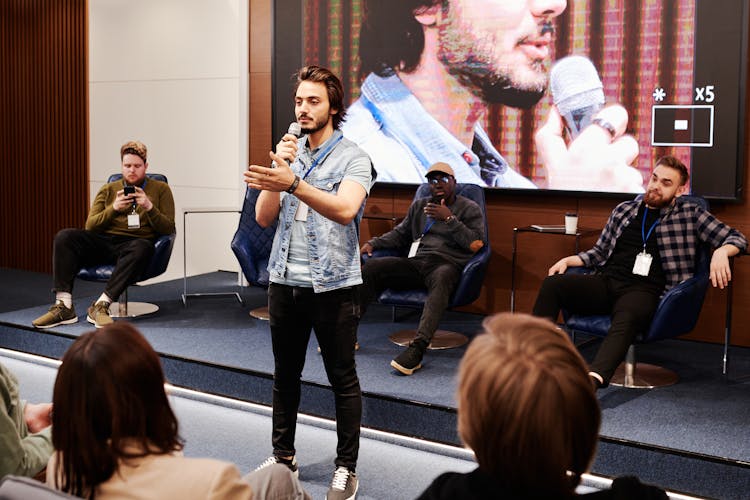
[158, 264]
[251, 245]
[468, 288]
[676, 314]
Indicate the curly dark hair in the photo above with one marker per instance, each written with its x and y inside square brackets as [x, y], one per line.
[390, 37]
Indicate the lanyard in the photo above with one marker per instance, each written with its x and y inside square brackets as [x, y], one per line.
[427, 227]
[322, 155]
[645, 236]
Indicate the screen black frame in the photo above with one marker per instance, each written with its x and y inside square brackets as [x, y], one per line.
[288, 53]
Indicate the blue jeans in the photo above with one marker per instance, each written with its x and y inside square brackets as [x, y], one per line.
[334, 316]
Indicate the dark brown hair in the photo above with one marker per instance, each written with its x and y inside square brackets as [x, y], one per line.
[390, 37]
[109, 405]
[334, 89]
[526, 406]
[675, 163]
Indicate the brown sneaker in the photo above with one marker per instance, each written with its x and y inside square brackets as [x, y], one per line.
[58, 314]
[98, 314]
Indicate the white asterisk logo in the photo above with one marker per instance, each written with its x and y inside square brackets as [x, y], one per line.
[659, 94]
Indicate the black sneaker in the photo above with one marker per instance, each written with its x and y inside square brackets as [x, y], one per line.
[58, 314]
[344, 485]
[291, 464]
[410, 360]
[597, 381]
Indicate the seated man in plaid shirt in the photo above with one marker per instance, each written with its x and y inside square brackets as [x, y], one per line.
[647, 247]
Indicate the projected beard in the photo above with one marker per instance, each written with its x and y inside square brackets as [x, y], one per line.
[481, 65]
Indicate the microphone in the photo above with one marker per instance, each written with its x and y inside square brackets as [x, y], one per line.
[577, 91]
[296, 130]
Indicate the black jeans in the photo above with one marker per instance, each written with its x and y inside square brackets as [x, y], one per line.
[78, 248]
[440, 277]
[334, 316]
[631, 306]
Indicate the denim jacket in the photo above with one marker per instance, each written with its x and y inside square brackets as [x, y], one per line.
[404, 140]
[333, 247]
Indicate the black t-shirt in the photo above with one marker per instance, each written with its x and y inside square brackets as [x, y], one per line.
[630, 244]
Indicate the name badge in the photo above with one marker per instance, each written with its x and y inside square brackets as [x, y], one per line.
[301, 214]
[642, 264]
[413, 248]
[134, 221]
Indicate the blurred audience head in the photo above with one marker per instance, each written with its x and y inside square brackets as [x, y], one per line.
[526, 406]
[110, 405]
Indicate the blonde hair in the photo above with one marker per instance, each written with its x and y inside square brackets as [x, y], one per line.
[135, 148]
[526, 406]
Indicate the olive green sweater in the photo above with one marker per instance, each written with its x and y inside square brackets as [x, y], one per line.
[158, 221]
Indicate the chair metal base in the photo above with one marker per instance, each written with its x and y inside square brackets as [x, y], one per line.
[260, 313]
[443, 339]
[131, 309]
[643, 376]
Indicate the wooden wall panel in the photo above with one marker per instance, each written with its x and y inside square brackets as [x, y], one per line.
[43, 127]
[536, 252]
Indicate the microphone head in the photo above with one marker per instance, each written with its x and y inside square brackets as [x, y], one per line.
[295, 129]
[575, 84]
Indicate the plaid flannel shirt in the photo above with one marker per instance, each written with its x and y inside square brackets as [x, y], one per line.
[682, 226]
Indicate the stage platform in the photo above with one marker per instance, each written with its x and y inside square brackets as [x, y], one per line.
[692, 437]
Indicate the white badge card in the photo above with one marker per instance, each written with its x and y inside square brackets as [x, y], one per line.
[301, 214]
[134, 221]
[642, 264]
[413, 248]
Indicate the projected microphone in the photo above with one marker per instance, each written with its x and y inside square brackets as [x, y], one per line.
[577, 92]
[296, 130]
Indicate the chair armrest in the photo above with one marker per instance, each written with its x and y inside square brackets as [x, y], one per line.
[679, 309]
[472, 277]
[160, 260]
[384, 252]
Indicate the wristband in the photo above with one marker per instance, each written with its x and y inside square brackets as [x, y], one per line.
[294, 185]
[606, 126]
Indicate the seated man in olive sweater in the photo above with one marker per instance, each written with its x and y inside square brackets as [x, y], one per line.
[126, 218]
[442, 232]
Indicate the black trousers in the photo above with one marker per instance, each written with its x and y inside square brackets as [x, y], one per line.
[631, 306]
[334, 316]
[78, 248]
[440, 277]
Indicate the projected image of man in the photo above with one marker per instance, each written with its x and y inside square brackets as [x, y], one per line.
[433, 70]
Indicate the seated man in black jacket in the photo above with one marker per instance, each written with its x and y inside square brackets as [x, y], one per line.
[442, 233]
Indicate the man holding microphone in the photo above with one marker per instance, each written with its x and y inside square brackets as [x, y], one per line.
[316, 188]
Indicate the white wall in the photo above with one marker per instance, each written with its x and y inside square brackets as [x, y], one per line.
[174, 75]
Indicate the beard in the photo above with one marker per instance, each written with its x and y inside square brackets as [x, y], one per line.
[654, 201]
[475, 63]
[497, 88]
[317, 125]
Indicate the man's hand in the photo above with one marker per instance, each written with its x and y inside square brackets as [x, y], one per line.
[595, 160]
[563, 264]
[37, 416]
[366, 249]
[287, 148]
[270, 179]
[124, 203]
[437, 212]
[720, 272]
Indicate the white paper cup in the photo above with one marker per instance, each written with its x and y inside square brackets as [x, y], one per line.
[571, 223]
